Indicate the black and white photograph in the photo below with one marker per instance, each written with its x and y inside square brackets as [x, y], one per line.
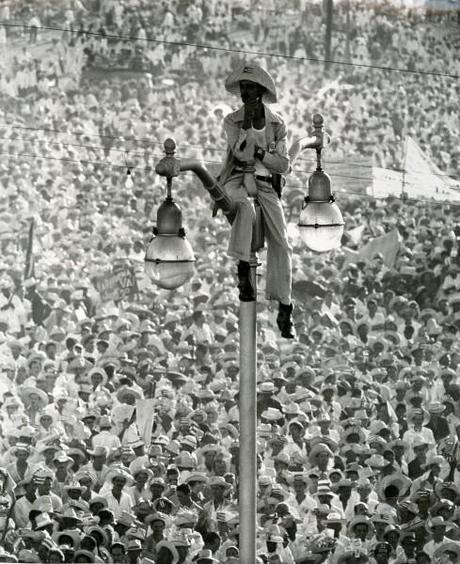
[230, 281]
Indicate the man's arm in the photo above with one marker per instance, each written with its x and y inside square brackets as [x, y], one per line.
[278, 160]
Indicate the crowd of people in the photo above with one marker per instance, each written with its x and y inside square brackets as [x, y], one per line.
[119, 412]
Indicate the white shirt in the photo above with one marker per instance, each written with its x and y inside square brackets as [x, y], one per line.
[106, 439]
[125, 503]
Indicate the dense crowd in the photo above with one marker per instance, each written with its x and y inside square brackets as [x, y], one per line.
[119, 413]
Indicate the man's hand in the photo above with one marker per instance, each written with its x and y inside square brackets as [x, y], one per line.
[251, 111]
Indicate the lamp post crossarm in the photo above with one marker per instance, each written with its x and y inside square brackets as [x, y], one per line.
[171, 166]
[318, 140]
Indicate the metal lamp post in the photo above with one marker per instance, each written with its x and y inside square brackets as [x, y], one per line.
[169, 263]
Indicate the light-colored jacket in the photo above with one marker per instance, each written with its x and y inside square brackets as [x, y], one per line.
[276, 159]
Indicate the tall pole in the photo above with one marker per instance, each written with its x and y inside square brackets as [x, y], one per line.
[248, 426]
[328, 37]
[347, 31]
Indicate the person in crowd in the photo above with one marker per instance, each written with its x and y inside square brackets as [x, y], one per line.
[357, 418]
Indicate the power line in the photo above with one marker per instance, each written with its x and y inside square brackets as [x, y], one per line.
[233, 50]
[129, 153]
[134, 167]
[150, 169]
[346, 192]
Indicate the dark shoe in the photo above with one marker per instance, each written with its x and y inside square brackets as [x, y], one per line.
[284, 321]
[244, 282]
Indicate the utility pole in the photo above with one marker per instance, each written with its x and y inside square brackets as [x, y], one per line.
[347, 32]
[328, 37]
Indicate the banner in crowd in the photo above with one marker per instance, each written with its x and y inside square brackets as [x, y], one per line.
[145, 414]
[117, 284]
[421, 179]
[388, 245]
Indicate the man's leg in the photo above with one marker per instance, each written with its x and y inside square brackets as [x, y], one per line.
[279, 258]
[241, 235]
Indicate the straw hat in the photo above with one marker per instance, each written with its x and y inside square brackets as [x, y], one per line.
[218, 481]
[43, 520]
[436, 407]
[317, 449]
[253, 73]
[434, 460]
[205, 555]
[124, 392]
[360, 520]
[447, 547]
[25, 392]
[333, 518]
[438, 521]
[413, 412]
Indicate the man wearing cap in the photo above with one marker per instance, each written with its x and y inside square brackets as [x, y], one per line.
[256, 158]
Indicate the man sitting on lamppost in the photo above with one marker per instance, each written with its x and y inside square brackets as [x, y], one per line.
[257, 157]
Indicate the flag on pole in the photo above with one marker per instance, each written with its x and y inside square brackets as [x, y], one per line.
[388, 245]
[145, 414]
[29, 269]
[421, 179]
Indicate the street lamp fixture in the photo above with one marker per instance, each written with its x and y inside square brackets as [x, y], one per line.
[320, 223]
[169, 258]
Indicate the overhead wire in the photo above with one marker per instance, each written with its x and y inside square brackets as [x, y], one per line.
[344, 192]
[130, 152]
[137, 167]
[232, 50]
[150, 169]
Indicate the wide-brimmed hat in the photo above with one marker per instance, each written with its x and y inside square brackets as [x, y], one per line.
[398, 480]
[419, 441]
[62, 457]
[316, 450]
[21, 447]
[101, 371]
[324, 490]
[447, 547]
[98, 451]
[438, 521]
[125, 391]
[119, 472]
[354, 430]
[272, 414]
[74, 486]
[253, 73]
[205, 554]
[376, 461]
[25, 393]
[194, 477]
[334, 518]
[360, 520]
[413, 412]
[69, 514]
[436, 407]
[11, 402]
[43, 520]
[434, 460]
[219, 481]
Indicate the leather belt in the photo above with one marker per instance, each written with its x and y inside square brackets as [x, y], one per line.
[263, 178]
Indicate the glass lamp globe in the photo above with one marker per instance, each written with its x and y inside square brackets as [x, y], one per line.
[320, 223]
[169, 261]
[321, 226]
